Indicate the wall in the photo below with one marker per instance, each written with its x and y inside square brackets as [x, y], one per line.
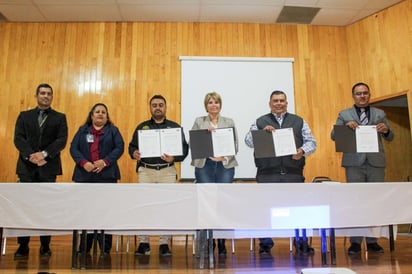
[123, 64]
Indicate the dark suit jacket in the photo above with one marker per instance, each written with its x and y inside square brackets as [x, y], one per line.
[376, 116]
[111, 147]
[30, 138]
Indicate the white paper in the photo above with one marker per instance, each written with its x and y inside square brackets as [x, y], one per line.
[284, 142]
[155, 142]
[149, 143]
[223, 142]
[171, 141]
[366, 139]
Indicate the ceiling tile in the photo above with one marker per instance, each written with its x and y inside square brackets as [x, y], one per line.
[182, 13]
[73, 2]
[381, 4]
[251, 14]
[342, 4]
[21, 13]
[301, 3]
[16, 2]
[80, 13]
[333, 17]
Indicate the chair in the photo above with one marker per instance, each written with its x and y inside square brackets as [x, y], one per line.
[320, 179]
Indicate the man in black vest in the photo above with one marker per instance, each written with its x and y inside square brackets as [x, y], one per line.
[40, 134]
[282, 169]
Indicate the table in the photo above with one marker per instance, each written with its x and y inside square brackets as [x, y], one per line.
[70, 206]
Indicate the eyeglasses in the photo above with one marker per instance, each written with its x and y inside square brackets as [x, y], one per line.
[360, 93]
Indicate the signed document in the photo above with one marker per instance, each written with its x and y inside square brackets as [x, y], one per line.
[205, 143]
[155, 142]
[280, 142]
[284, 141]
[363, 139]
[223, 142]
[367, 139]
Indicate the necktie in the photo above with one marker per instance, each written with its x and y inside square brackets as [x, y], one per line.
[363, 117]
[41, 117]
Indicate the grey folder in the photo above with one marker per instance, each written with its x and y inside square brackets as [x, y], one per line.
[263, 144]
[201, 145]
[345, 139]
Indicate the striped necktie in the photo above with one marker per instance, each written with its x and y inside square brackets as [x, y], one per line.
[363, 117]
[41, 117]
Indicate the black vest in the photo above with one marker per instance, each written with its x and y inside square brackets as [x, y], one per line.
[286, 162]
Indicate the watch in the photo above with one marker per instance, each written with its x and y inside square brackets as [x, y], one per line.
[45, 154]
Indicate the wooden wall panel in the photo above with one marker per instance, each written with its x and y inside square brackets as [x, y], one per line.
[380, 53]
[124, 64]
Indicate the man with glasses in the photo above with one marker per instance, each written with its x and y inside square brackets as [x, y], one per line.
[364, 167]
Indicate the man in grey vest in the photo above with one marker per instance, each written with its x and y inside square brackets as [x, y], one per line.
[364, 167]
[282, 169]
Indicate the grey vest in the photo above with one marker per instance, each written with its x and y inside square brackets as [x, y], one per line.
[285, 162]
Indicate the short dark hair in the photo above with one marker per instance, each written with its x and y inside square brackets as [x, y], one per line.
[277, 92]
[89, 117]
[157, 96]
[43, 85]
[359, 84]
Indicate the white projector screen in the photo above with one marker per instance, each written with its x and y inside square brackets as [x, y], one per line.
[245, 85]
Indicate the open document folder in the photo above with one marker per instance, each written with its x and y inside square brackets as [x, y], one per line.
[363, 139]
[216, 143]
[155, 142]
[280, 142]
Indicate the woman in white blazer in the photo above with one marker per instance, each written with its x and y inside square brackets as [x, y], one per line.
[215, 169]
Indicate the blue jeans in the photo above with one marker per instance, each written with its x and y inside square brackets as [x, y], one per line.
[214, 172]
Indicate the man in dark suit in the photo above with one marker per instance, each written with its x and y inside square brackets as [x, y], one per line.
[40, 134]
[364, 167]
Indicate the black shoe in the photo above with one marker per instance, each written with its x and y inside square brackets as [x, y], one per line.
[164, 250]
[304, 248]
[45, 250]
[374, 247]
[264, 250]
[354, 248]
[22, 252]
[143, 249]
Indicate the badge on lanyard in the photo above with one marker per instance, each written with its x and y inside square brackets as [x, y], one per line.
[90, 138]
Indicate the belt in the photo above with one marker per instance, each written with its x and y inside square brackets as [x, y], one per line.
[280, 171]
[156, 166]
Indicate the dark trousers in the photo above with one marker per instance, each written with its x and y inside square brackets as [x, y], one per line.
[89, 240]
[44, 240]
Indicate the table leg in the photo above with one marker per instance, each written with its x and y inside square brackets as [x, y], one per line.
[74, 249]
[84, 250]
[391, 239]
[103, 244]
[202, 247]
[1, 237]
[323, 244]
[332, 246]
[210, 251]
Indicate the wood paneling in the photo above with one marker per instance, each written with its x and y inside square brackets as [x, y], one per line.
[123, 64]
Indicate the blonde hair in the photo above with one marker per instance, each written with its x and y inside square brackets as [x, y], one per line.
[212, 95]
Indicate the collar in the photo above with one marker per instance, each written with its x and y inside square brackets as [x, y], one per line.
[45, 110]
[155, 123]
[358, 109]
[282, 115]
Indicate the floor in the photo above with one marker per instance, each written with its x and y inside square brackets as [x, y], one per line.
[182, 261]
